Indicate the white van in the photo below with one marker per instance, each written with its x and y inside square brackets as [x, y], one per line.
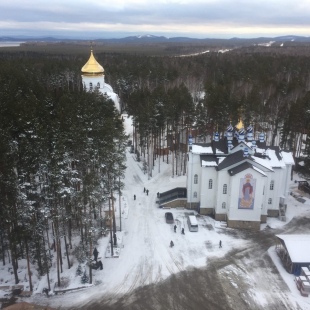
[192, 223]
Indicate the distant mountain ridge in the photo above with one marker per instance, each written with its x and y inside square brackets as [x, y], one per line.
[156, 39]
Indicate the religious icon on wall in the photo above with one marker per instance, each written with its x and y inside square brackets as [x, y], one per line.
[247, 192]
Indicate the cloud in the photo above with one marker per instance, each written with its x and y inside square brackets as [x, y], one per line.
[176, 16]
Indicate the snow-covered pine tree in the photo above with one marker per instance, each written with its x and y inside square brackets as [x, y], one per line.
[79, 270]
[84, 278]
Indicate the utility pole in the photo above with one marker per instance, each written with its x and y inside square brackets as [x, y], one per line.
[114, 222]
[172, 154]
[119, 198]
[110, 217]
[159, 153]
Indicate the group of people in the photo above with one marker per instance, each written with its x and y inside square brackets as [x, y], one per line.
[175, 230]
[144, 191]
[182, 230]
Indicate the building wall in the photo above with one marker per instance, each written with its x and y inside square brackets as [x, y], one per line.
[94, 80]
[222, 178]
[276, 193]
[210, 201]
[208, 195]
[193, 168]
[236, 213]
[177, 203]
[263, 219]
[253, 225]
[206, 211]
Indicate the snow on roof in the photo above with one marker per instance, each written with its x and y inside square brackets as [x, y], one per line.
[193, 219]
[288, 158]
[263, 162]
[297, 247]
[220, 159]
[219, 152]
[274, 161]
[208, 163]
[198, 149]
[260, 171]
[259, 150]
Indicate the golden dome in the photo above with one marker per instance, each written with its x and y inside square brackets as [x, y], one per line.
[240, 125]
[92, 67]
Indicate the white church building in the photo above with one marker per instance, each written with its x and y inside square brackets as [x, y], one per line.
[238, 179]
[93, 78]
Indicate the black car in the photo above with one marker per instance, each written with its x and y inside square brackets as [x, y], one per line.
[169, 218]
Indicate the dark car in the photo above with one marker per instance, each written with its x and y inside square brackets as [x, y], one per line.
[169, 218]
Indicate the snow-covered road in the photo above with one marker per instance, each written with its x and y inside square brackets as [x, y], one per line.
[195, 273]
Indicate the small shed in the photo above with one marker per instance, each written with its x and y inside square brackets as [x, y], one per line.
[294, 252]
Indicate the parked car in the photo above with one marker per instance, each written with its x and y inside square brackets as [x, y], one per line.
[169, 218]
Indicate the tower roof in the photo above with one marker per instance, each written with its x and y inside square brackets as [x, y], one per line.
[240, 125]
[92, 67]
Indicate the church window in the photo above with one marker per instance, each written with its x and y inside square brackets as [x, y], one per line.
[224, 205]
[270, 201]
[210, 183]
[196, 179]
[195, 194]
[225, 189]
[90, 86]
[271, 185]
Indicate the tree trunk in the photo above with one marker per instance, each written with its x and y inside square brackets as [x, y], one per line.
[28, 265]
[70, 233]
[60, 255]
[67, 252]
[111, 237]
[57, 255]
[3, 249]
[46, 264]
[90, 256]
[14, 261]
[275, 131]
[114, 222]
[54, 240]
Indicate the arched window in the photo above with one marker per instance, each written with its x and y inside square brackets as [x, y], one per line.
[210, 183]
[195, 194]
[271, 185]
[270, 201]
[225, 189]
[90, 86]
[224, 205]
[196, 179]
[98, 85]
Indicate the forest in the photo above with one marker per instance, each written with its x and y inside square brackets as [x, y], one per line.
[62, 150]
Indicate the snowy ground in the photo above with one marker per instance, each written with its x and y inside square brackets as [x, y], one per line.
[146, 258]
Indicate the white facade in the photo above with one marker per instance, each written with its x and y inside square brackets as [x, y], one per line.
[235, 186]
[93, 78]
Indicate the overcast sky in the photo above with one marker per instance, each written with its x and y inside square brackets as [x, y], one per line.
[118, 18]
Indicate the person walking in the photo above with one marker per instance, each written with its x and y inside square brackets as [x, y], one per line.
[220, 245]
[175, 228]
[182, 231]
[144, 190]
[171, 244]
[134, 197]
[147, 192]
[95, 253]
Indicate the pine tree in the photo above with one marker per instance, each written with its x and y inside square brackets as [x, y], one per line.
[84, 278]
[79, 270]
